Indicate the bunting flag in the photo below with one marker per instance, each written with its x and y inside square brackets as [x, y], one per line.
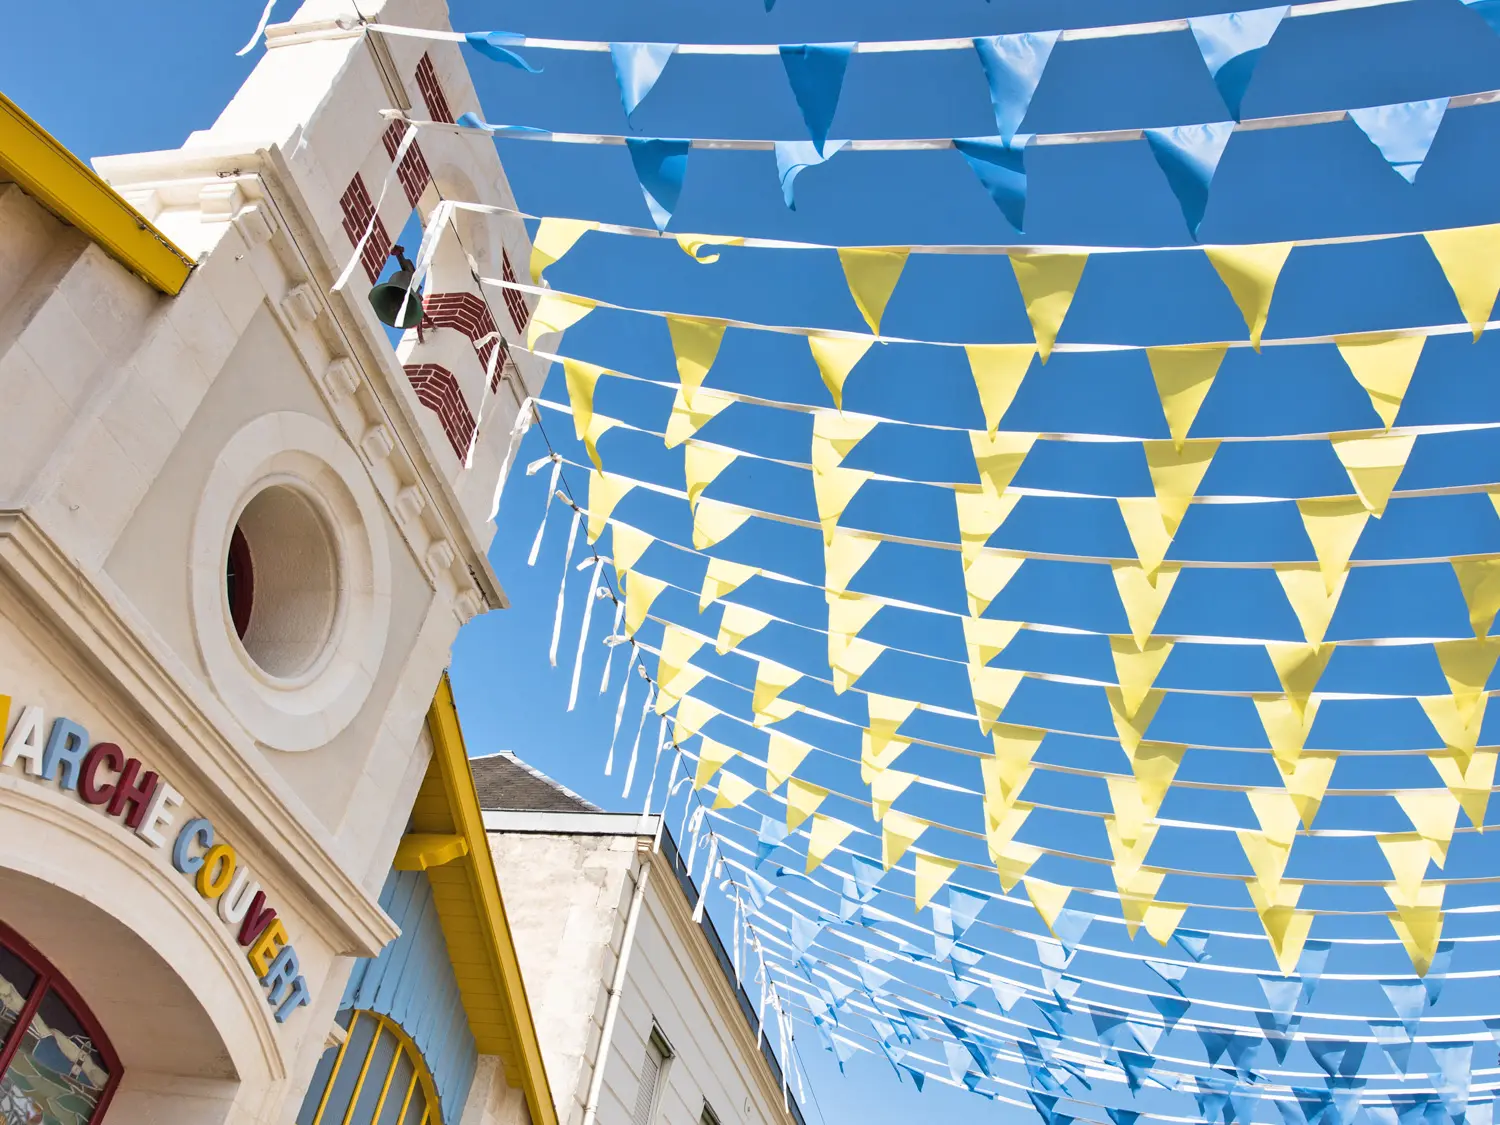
[1000, 165]
[1047, 283]
[1333, 527]
[554, 238]
[738, 623]
[843, 556]
[556, 312]
[1188, 156]
[660, 166]
[695, 344]
[723, 577]
[826, 835]
[701, 466]
[816, 74]
[802, 801]
[637, 68]
[1176, 472]
[1013, 66]
[898, 832]
[491, 44]
[783, 755]
[795, 157]
[931, 873]
[1250, 274]
[1183, 377]
[1231, 45]
[1383, 364]
[1402, 132]
[733, 791]
[1374, 465]
[605, 491]
[1143, 597]
[836, 357]
[688, 420]
[712, 757]
[1470, 259]
[872, 275]
[1310, 599]
[1479, 582]
[714, 521]
[629, 545]
[691, 244]
[998, 370]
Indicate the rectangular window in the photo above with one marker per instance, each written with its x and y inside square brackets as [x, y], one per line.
[653, 1078]
[708, 1116]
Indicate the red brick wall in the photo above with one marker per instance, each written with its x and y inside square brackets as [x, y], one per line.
[432, 92]
[358, 208]
[437, 390]
[412, 171]
[469, 314]
[515, 303]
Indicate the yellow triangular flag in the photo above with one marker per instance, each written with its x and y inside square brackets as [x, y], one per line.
[1287, 726]
[980, 514]
[556, 312]
[1047, 283]
[598, 426]
[678, 647]
[986, 574]
[554, 238]
[687, 421]
[1382, 363]
[783, 755]
[843, 557]
[833, 489]
[682, 683]
[1183, 376]
[1176, 473]
[1418, 922]
[1148, 530]
[1048, 898]
[723, 577]
[1333, 527]
[1310, 599]
[835, 435]
[1013, 861]
[1005, 774]
[878, 754]
[1306, 779]
[932, 872]
[1286, 927]
[629, 544]
[898, 831]
[733, 791]
[1459, 732]
[1131, 725]
[992, 688]
[771, 679]
[1479, 580]
[640, 591]
[885, 787]
[605, 491]
[582, 379]
[1249, 272]
[998, 370]
[1277, 814]
[847, 615]
[738, 622]
[701, 464]
[998, 457]
[1374, 464]
[1299, 667]
[986, 638]
[836, 357]
[778, 709]
[715, 521]
[802, 800]
[1143, 598]
[1001, 825]
[1467, 666]
[1136, 667]
[692, 243]
[1132, 817]
[695, 343]
[1155, 765]
[1434, 815]
[1128, 855]
[692, 715]
[1163, 918]
[887, 713]
[1136, 896]
[872, 275]
[1470, 258]
[1267, 859]
[711, 758]
[1469, 783]
[854, 662]
[827, 834]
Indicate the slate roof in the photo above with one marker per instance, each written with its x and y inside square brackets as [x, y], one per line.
[504, 782]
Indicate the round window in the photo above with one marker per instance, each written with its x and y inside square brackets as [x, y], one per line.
[281, 581]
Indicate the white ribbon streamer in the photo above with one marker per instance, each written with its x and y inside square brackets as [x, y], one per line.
[636, 746]
[713, 852]
[609, 660]
[484, 394]
[260, 28]
[609, 762]
[562, 588]
[536, 544]
[518, 430]
[407, 140]
[596, 591]
[661, 744]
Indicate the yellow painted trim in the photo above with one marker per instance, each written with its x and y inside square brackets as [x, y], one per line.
[60, 182]
[420, 850]
[407, 1045]
[451, 760]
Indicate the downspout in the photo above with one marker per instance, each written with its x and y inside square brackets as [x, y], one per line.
[617, 982]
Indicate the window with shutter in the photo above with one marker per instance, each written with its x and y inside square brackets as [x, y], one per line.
[652, 1072]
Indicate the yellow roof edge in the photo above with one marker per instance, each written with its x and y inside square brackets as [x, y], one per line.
[71, 190]
[451, 757]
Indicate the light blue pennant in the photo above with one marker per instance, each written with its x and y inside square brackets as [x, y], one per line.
[1051, 1011]
[637, 67]
[1013, 66]
[1403, 132]
[962, 990]
[1001, 168]
[1146, 1034]
[1277, 1034]
[1122, 1116]
[1006, 992]
[1409, 999]
[1437, 972]
[1310, 966]
[1070, 926]
[816, 74]
[760, 888]
[1338, 1058]
[1231, 45]
[1137, 1068]
[474, 121]
[957, 1059]
[1242, 1052]
[1169, 972]
[795, 157]
[772, 832]
[1215, 1042]
[1480, 1112]
[1281, 995]
[965, 907]
[1487, 10]
[917, 1077]
[1189, 155]
[1171, 1008]
[660, 166]
[1394, 1041]
[490, 44]
[1194, 943]
[1451, 1075]
[964, 1036]
[805, 931]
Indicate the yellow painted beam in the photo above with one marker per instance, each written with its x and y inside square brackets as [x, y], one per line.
[31, 157]
[420, 850]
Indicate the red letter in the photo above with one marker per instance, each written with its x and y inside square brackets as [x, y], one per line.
[257, 918]
[134, 789]
[104, 753]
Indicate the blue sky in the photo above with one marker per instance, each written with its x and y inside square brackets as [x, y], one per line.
[144, 79]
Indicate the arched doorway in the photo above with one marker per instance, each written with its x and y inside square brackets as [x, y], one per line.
[57, 1067]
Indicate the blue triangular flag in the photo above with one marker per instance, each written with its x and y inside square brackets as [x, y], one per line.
[1212, 1096]
[759, 887]
[1409, 999]
[1451, 1076]
[1480, 1112]
[1044, 1104]
[917, 1077]
[1051, 1011]
[1281, 996]
[1394, 1041]
[1193, 942]
[1050, 952]
[793, 158]
[768, 839]
[1291, 1112]
[1122, 1116]
[1070, 926]
[1310, 965]
[867, 873]
[805, 931]
[957, 1059]
[472, 120]
[1403, 132]
[1242, 1051]
[1189, 155]
[1337, 1057]
[1488, 10]
[1277, 1034]
[1001, 168]
[1170, 972]
[1146, 1034]
[1006, 992]
[1215, 1042]
[966, 906]
[816, 74]
[1171, 1008]
[1230, 45]
[637, 67]
[1013, 66]
[1137, 1068]
[1437, 972]
[961, 989]
[875, 979]
[1312, 1101]
[488, 44]
[660, 166]
[962, 1034]
[1109, 1029]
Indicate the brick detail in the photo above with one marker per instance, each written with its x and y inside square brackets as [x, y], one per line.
[437, 390]
[358, 210]
[412, 171]
[515, 302]
[469, 314]
[432, 92]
